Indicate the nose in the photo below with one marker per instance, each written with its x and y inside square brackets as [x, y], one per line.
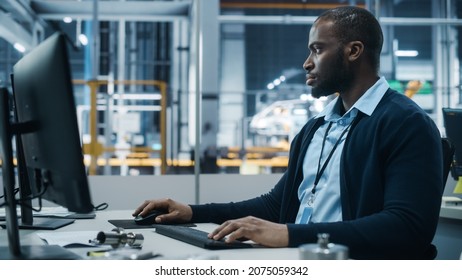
[308, 64]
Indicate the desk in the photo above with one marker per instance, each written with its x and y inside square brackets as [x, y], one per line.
[168, 247]
[448, 237]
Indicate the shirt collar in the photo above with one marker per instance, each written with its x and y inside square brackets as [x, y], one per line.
[366, 103]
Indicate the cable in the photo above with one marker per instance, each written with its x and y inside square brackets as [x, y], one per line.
[15, 191]
[101, 207]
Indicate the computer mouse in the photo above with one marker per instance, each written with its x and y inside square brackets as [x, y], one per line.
[148, 219]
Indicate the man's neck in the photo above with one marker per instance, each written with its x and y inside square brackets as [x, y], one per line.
[350, 97]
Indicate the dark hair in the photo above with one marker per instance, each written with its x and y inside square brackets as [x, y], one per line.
[357, 24]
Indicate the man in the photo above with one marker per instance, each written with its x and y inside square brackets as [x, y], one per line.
[367, 170]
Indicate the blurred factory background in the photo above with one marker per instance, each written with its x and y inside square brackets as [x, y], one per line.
[161, 85]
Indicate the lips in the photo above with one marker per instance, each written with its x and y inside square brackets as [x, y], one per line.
[310, 79]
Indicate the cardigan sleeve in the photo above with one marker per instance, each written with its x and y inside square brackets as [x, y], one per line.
[272, 206]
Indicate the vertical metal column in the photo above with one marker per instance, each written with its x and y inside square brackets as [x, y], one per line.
[93, 84]
[198, 98]
[121, 143]
[206, 29]
[94, 54]
[444, 55]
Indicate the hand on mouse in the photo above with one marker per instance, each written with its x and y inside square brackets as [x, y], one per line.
[176, 212]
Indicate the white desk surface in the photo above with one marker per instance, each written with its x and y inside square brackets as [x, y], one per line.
[156, 243]
[451, 211]
[173, 249]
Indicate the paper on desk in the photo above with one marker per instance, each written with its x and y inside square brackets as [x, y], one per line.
[70, 238]
[458, 188]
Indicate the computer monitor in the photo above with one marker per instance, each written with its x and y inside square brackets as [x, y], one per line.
[15, 250]
[47, 127]
[453, 124]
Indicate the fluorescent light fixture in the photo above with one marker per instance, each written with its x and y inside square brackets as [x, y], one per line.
[67, 19]
[83, 39]
[20, 48]
[409, 53]
[277, 82]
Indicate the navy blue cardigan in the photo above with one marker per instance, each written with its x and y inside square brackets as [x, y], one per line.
[391, 186]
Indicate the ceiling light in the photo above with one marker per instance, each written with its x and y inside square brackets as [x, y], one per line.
[409, 53]
[83, 39]
[20, 48]
[67, 19]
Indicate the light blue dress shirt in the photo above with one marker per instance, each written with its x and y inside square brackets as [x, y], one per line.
[326, 205]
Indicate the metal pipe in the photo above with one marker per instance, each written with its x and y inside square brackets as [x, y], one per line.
[198, 102]
[288, 19]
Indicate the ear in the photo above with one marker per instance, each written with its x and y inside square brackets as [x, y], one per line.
[354, 49]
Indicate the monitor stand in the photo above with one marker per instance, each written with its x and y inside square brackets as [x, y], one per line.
[43, 223]
[39, 252]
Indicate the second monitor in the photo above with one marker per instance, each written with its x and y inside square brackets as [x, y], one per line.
[453, 125]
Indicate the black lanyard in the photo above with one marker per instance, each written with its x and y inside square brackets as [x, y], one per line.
[321, 169]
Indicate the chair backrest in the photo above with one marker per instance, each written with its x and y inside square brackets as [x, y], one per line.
[448, 158]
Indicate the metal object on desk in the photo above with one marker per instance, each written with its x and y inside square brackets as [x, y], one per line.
[323, 250]
[118, 238]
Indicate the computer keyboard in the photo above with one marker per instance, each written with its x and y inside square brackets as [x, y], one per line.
[197, 237]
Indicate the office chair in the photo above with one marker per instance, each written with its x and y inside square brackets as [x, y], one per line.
[448, 158]
[448, 155]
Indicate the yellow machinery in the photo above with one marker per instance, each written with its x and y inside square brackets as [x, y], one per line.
[95, 149]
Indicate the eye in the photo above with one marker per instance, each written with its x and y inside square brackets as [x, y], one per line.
[315, 49]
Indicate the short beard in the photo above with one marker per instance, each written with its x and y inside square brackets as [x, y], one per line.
[338, 81]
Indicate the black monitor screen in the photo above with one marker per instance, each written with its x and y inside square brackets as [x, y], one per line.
[453, 125]
[44, 99]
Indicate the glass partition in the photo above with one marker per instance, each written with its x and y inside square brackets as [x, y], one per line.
[135, 113]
